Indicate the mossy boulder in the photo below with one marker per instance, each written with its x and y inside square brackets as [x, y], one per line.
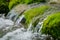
[51, 25]
[34, 12]
[13, 3]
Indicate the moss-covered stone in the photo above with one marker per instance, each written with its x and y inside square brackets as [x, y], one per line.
[34, 12]
[15, 2]
[51, 25]
[4, 6]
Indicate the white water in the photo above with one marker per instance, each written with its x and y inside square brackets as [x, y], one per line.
[5, 23]
[19, 20]
[19, 33]
[11, 14]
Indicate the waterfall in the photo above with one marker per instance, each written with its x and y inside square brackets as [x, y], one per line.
[23, 34]
[20, 33]
[19, 19]
[12, 15]
[38, 27]
[30, 27]
[12, 29]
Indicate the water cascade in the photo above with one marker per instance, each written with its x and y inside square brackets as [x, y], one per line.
[20, 33]
[12, 29]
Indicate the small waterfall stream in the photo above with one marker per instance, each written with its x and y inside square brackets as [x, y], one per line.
[20, 18]
[12, 29]
[21, 33]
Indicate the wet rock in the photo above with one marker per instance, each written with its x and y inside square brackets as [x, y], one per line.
[16, 12]
[20, 8]
[23, 20]
[54, 1]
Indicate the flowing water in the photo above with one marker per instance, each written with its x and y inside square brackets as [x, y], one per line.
[18, 33]
[12, 29]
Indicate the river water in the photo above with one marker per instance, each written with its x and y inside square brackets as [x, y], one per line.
[12, 29]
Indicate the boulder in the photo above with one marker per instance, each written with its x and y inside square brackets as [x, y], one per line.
[51, 25]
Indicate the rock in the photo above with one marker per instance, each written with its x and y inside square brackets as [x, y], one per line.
[54, 1]
[31, 14]
[20, 8]
[51, 25]
[15, 13]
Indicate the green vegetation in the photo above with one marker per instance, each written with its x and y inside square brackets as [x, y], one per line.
[51, 25]
[15, 2]
[3, 6]
[34, 12]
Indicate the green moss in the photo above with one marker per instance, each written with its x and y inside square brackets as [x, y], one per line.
[34, 12]
[15, 2]
[3, 6]
[51, 25]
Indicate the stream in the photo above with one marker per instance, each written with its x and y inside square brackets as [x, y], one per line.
[12, 29]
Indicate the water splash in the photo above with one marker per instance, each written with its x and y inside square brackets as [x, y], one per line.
[5, 22]
[18, 34]
[19, 19]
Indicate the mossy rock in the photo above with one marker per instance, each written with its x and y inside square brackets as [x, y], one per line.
[13, 3]
[4, 6]
[51, 25]
[34, 12]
